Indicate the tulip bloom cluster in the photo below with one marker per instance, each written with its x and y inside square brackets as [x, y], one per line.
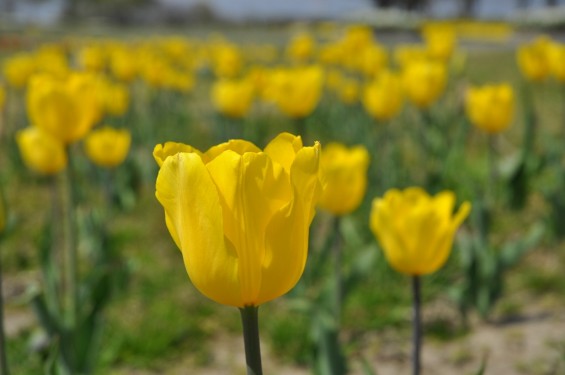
[490, 107]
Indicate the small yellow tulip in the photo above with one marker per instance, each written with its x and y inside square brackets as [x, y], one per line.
[67, 108]
[107, 147]
[40, 151]
[296, 92]
[18, 69]
[92, 57]
[490, 107]
[416, 230]
[556, 57]
[383, 97]
[424, 81]
[240, 216]
[440, 41]
[348, 91]
[233, 98]
[533, 59]
[344, 173]
[300, 48]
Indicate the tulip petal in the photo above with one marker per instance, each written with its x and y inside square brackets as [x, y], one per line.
[283, 148]
[192, 205]
[162, 151]
[287, 233]
[239, 146]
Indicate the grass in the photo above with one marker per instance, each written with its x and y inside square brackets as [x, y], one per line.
[161, 317]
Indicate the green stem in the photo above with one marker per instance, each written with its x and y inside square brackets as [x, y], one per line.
[3, 359]
[337, 252]
[416, 325]
[250, 322]
[492, 175]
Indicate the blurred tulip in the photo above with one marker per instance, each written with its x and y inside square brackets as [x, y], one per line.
[556, 57]
[406, 54]
[382, 98]
[65, 108]
[416, 230]
[424, 81]
[232, 98]
[296, 92]
[373, 59]
[92, 57]
[227, 60]
[40, 151]
[344, 172]
[348, 91]
[114, 97]
[240, 216]
[107, 147]
[533, 59]
[490, 107]
[440, 41]
[301, 48]
[18, 69]
[123, 65]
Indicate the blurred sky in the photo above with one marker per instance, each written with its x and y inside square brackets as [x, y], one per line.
[48, 11]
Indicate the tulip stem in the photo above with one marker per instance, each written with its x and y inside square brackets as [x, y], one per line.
[250, 322]
[416, 325]
[492, 177]
[3, 359]
[338, 292]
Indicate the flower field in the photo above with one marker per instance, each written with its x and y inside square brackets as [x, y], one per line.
[371, 201]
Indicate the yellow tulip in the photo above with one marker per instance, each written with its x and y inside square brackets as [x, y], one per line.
[227, 60]
[123, 65]
[344, 173]
[92, 57]
[18, 69]
[383, 97]
[114, 97]
[490, 107]
[233, 98]
[416, 230]
[40, 151]
[372, 60]
[296, 92]
[556, 57]
[240, 216]
[406, 54]
[348, 91]
[67, 108]
[533, 59]
[424, 81]
[107, 147]
[440, 41]
[301, 48]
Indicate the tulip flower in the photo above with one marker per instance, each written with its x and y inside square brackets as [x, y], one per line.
[107, 147]
[416, 233]
[40, 151]
[240, 217]
[490, 107]
[440, 41]
[383, 97]
[301, 47]
[424, 81]
[416, 230]
[344, 173]
[533, 59]
[297, 92]
[233, 98]
[19, 68]
[556, 57]
[64, 108]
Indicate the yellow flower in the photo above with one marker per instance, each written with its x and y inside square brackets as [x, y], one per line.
[416, 230]
[348, 91]
[556, 57]
[40, 151]
[240, 216]
[296, 92]
[406, 54]
[490, 107]
[440, 40]
[227, 60]
[533, 59]
[371, 60]
[107, 147]
[344, 173]
[424, 81]
[301, 47]
[123, 64]
[66, 108]
[92, 57]
[18, 69]
[233, 98]
[114, 97]
[383, 97]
